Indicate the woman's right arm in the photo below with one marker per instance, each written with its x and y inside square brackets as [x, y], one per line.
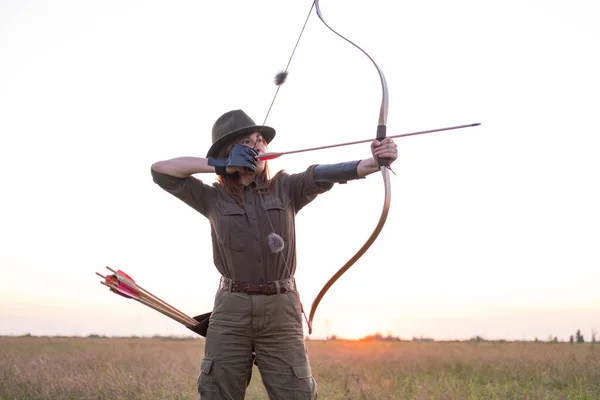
[182, 167]
[240, 158]
[175, 177]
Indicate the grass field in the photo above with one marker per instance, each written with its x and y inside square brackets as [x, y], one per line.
[138, 368]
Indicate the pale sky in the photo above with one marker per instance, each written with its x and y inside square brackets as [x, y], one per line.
[493, 231]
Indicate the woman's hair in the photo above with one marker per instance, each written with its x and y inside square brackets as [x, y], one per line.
[231, 182]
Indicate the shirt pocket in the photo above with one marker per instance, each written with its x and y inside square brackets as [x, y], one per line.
[231, 225]
[279, 214]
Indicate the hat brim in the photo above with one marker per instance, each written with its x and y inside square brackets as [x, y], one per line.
[267, 133]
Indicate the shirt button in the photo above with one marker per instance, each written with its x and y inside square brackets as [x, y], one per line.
[253, 217]
[256, 238]
[258, 259]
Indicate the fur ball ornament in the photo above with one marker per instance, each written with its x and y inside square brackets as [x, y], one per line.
[280, 78]
[275, 242]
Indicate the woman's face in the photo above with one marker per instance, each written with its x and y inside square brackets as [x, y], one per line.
[255, 141]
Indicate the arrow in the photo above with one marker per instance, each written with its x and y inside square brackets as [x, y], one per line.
[113, 283]
[273, 155]
[115, 289]
[122, 284]
[146, 295]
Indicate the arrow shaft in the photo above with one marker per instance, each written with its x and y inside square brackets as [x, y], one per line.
[182, 319]
[151, 300]
[169, 313]
[273, 155]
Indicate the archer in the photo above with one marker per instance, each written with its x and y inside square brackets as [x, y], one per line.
[257, 313]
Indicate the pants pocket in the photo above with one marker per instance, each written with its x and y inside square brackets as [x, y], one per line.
[206, 381]
[305, 386]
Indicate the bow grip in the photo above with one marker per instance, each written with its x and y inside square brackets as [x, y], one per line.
[381, 134]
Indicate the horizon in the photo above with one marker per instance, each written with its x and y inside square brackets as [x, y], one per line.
[492, 230]
[377, 336]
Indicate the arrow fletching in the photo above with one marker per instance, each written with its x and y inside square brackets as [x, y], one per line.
[268, 156]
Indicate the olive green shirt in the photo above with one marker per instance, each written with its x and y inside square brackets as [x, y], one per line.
[239, 234]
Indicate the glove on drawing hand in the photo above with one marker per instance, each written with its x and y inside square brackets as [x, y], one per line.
[239, 156]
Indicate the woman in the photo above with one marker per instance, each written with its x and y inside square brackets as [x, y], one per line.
[257, 315]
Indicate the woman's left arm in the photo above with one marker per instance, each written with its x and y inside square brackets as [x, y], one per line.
[347, 171]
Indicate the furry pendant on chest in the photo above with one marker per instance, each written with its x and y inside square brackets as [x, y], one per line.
[275, 242]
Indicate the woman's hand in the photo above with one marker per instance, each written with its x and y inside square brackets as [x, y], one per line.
[384, 149]
[241, 158]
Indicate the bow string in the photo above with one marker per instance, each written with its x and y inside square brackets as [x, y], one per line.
[382, 163]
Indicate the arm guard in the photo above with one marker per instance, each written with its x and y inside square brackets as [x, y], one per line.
[336, 173]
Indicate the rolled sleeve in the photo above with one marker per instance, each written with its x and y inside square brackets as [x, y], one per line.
[198, 195]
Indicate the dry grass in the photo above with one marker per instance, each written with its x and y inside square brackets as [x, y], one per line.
[129, 368]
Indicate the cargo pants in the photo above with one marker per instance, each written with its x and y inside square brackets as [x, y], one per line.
[269, 325]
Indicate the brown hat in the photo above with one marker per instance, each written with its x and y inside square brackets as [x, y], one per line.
[233, 124]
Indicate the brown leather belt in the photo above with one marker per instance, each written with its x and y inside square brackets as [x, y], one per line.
[268, 288]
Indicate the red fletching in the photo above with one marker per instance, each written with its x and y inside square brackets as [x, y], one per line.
[268, 156]
[121, 283]
[125, 275]
[126, 282]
